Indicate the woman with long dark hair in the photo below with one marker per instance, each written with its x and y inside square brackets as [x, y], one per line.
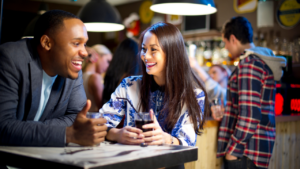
[124, 63]
[168, 89]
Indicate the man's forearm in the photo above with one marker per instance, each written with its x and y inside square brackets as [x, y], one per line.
[201, 73]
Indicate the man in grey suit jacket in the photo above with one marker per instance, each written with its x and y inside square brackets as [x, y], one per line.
[31, 115]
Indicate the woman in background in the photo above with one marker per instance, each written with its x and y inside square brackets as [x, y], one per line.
[95, 65]
[168, 89]
[124, 63]
[215, 80]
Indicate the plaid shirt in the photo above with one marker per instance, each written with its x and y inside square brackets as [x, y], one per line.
[248, 126]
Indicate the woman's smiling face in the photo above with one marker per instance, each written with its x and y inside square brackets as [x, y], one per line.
[153, 56]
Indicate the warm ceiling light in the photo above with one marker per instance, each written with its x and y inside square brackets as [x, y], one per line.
[184, 7]
[100, 16]
[103, 27]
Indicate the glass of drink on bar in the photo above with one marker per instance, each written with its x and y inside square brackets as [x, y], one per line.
[142, 119]
[94, 115]
[217, 108]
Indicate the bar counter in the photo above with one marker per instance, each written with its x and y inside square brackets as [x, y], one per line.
[286, 152]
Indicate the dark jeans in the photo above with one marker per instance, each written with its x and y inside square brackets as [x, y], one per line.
[240, 163]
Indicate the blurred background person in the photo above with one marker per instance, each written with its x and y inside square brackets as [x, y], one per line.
[95, 65]
[124, 63]
[215, 80]
[105, 57]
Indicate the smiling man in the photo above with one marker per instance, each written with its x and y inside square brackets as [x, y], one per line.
[42, 99]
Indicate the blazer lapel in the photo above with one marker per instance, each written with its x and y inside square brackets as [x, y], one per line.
[36, 76]
[54, 97]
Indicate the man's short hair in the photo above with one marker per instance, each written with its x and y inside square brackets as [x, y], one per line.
[240, 27]
[50, 22]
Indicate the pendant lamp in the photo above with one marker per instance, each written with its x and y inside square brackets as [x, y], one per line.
[100, 16]
[184, 7]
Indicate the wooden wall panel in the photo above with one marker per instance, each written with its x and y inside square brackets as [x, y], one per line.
[286, 152]
[207, 149]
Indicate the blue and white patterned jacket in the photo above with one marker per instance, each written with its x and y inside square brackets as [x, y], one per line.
[129, 88]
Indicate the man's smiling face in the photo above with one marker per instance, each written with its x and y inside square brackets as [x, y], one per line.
[68, 49]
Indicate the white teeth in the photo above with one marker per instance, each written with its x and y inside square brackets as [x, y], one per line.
[77, 62]
[151, 64]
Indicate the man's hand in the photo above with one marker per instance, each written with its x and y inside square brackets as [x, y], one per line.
[230, 157]
[85, 131]
[213, 113]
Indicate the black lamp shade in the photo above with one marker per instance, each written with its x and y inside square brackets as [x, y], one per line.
[99, 11]
[184, 7]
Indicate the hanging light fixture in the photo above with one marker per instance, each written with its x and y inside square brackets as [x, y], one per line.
[184, 7]
[100, 16]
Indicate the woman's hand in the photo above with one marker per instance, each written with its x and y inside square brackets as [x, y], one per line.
[157, 136]
[130, 135]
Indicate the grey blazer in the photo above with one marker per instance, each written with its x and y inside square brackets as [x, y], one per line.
[20, 91]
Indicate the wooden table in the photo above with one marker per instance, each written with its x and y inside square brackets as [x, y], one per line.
[103, 157]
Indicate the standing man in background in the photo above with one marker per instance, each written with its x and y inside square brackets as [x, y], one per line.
[42, 99]
[247, 131]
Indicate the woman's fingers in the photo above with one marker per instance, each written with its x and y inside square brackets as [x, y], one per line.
[153, 133]
[153, 138]
[157, 142]
[153, 117]
[133, 130]
[131, 135]
[133, 141]
[151, 126]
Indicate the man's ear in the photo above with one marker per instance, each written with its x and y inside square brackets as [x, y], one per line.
[45, 42]
[232, 38]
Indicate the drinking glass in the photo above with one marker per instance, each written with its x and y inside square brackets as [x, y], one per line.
[142, 119]
[217, 108]
[94, 115]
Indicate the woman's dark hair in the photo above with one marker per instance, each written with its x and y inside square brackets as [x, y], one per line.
[50, 22]
[180, 79]
[125, 63]
[240, 27]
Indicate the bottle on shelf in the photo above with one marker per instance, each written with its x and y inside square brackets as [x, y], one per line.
[263, 41]
[284, 51]
[275, 45]
[224, 54]
[216, 53]
[207, 54]
[296, 51]
[199, 52]
[255, 39]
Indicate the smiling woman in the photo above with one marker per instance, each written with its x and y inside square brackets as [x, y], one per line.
[168, 89]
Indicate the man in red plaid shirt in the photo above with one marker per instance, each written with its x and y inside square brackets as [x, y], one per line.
[247, 130]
